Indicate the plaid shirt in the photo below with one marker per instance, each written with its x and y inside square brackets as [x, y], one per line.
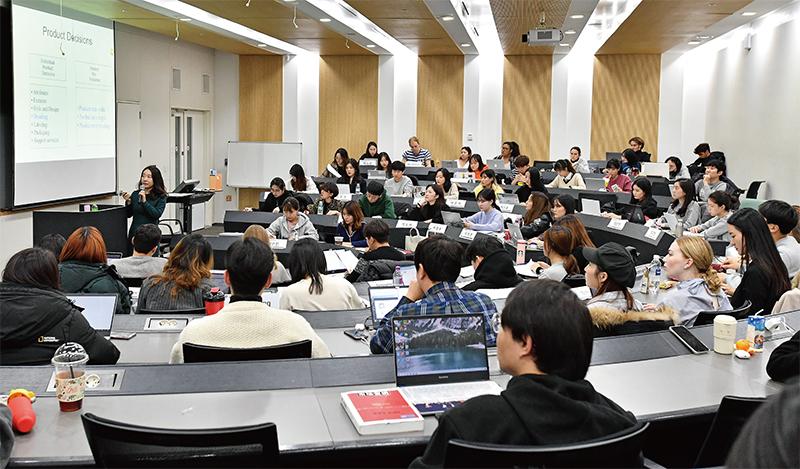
[442, 298]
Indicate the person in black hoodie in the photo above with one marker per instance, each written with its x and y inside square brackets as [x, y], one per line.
[494, 267]
[547, 402]
[276, 197]
[36, 318]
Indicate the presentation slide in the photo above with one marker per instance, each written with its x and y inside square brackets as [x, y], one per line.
[64, 104]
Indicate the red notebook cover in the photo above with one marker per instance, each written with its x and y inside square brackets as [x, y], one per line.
[373, 406]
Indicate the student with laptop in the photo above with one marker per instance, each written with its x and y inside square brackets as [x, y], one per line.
[533, 183]
[641, 197]
[537, 217]
[416, 154]
[676, 169]
[494, 267]
[488, 181]
[463, 159]
[36, 318]
[567, 177]
[488, 218]
[313, 290]
[351, 228]
[683, 206]
[352, 177]
[247, 322]
[430, 209]
[438, 263]
[547, 350]
[399, 184]
[476, 165]
[142, 264]
[376, 202]
[377, 234]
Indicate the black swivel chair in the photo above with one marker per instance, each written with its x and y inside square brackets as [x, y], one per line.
[731, 416]
[621, 449]
[752, 191]
[193, 353]
[661, 188]
[575, 280]
[133, 282]
[603, 198]
[117, 444]
[707, 317]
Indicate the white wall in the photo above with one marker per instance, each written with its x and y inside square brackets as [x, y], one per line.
[397, 102]
[571, 103]
[225, 85]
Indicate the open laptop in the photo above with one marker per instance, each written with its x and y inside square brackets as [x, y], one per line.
[450, 164]
[384, 299]
[98, 309]
[113, 255]
[590, 206]
[376, 174]
[506, 198]
[441, 360]
[610, 155]
[497, 165]
[594, 184]
[515, 232]
[655, 169]
[452, 219]
[343, 188]
[672, 221]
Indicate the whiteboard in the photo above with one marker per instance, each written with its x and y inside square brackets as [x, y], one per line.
[255, 164]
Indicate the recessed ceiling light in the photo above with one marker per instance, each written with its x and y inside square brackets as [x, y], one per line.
[324, 20]
[448, 18]
[124, 11]
[704, 37]
[693, 43]
[569, 31]
[749, 13]
[371, 46]
[186, 19]
[262, 45]
[576, 17]
[712, 4]
[466, 44]
[596, 24]
[564, 45]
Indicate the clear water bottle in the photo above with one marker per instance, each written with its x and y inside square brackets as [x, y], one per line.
[656, 273]
[358, 189]
[319, 208]
[397, 277]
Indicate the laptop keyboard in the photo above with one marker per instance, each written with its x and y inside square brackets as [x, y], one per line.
[450, 392]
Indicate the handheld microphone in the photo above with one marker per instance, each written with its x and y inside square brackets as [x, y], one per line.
[141, 187]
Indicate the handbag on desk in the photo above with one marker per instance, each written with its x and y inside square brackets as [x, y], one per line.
[413, 240]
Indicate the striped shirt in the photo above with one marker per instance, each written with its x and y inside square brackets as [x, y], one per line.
[424, 155]
[442, 298]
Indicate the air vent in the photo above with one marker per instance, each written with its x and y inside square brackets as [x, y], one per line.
[176, 79]
[206, 83]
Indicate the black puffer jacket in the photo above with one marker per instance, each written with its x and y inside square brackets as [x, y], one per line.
[496, 271]
[34, 322]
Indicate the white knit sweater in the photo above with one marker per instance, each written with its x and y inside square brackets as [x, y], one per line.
[249, 324]
[337, 293]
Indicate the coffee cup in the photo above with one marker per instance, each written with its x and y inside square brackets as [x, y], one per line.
[338, 239]
[70, 364]
[724, 333]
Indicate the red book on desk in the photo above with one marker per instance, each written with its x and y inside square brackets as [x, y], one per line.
[382, 411]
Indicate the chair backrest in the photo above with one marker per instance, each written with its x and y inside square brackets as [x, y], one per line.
[133, 282]
[117, 444]
[707, 317]
[194, 353]
[750, 203]
[173, 312]
[661, 188]
[603, 197]
[575, 280]
[621, 449]
[731, 416]
[752, 191]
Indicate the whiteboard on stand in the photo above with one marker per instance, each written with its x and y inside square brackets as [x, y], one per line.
[255, 164]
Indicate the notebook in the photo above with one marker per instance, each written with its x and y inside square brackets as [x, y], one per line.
[384, 299]
[98, 309]
[441, 360]
[452, 219]
[506, 198]
[590, 207]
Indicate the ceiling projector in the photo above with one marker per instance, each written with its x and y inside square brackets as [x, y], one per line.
[543, 37]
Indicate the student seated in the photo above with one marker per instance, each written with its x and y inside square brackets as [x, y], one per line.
[384, 164]
[186, 277]
[563, 205]
[313, 290]
[580, 238]
[463, 158]
[488, 218]
[335, 169]
[716, 228]
[577, 161]
[642, 196]
[476, 165]
[537, 217]
[438, 263]
[83, 268]
[488, 181]
[522, 163]
[617, 181]
[371, 152]
[631, 166]
[546, 350]
[293, 225]
[52, 242]
[567, 177]
[611, 271]
[351, 228]
[703, 152]
[676, 169]
[377, 234]
[279, 272]
[781, 220]
[142, 264]
[509, 152]
[711, 180]
[533, 183]
[449, 188]
[376, 203]
[327, 200]
[300, 182]
[494, 267]
[352, 177]
[689, 260]
[417, 154]
[683, 205]
[784, 361]
[637, 146]
[277, 196]
[247, 322]
[557, 248]
[36, 318]
[399, 184]
[430, 209]
[765, 278]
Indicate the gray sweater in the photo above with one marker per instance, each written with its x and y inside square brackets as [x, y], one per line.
[716, 229]
[303, 229]
[703, 190]
[404, 187]
[138, 266]
[159, 296]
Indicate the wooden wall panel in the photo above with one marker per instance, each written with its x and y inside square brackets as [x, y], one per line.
[348, 105]
[260, 107]
[440, 105]
[625, 98]
[526, 104]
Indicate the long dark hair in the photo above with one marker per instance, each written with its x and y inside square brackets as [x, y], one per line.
[488, 195]
[514, 148]
[33, 266]
[447, 184]
[580, 237]
[688, 188]
[440, 192]
[188, 264]
[158, 181]
[630, 157]
[356, 179]
[536, 180]
[299, 181]
[759, 247]
[564, 164]
[678, 165]
[477, 157]
[352, 208]
[566, 201]
[381, 156]
[647, 187]
[306, 259]
[541, 204]
[366, 152]
[343, 153]
[558, 239]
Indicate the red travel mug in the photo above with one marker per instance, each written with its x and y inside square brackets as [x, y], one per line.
[214, 301]
[22, 416]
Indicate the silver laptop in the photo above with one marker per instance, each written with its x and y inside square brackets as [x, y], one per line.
[506, 198]
[98, 309]
[441, 360]
[450, 164]
[655, 169]
[384, 299]
[672, 221]
[590, 206]
[452, 219]
[594, 184]
[498, 165]
[376, 174]
[343, 188]
[515, 232]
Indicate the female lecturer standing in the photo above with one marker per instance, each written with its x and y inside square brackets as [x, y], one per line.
[147, 204]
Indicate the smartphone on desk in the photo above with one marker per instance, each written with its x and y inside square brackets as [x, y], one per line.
[690, 340]
[356, 334]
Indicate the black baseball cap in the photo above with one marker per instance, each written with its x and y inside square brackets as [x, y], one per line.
[615, 260]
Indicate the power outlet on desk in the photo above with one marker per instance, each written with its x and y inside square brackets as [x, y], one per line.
[109, 380]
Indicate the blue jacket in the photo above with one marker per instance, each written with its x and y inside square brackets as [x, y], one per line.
[357, 239]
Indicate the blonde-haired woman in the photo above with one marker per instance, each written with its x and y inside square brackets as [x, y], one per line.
[699, 289]
[279, 272]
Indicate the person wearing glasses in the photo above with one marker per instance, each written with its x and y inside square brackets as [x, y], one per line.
[275, 199]
[548, 401]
